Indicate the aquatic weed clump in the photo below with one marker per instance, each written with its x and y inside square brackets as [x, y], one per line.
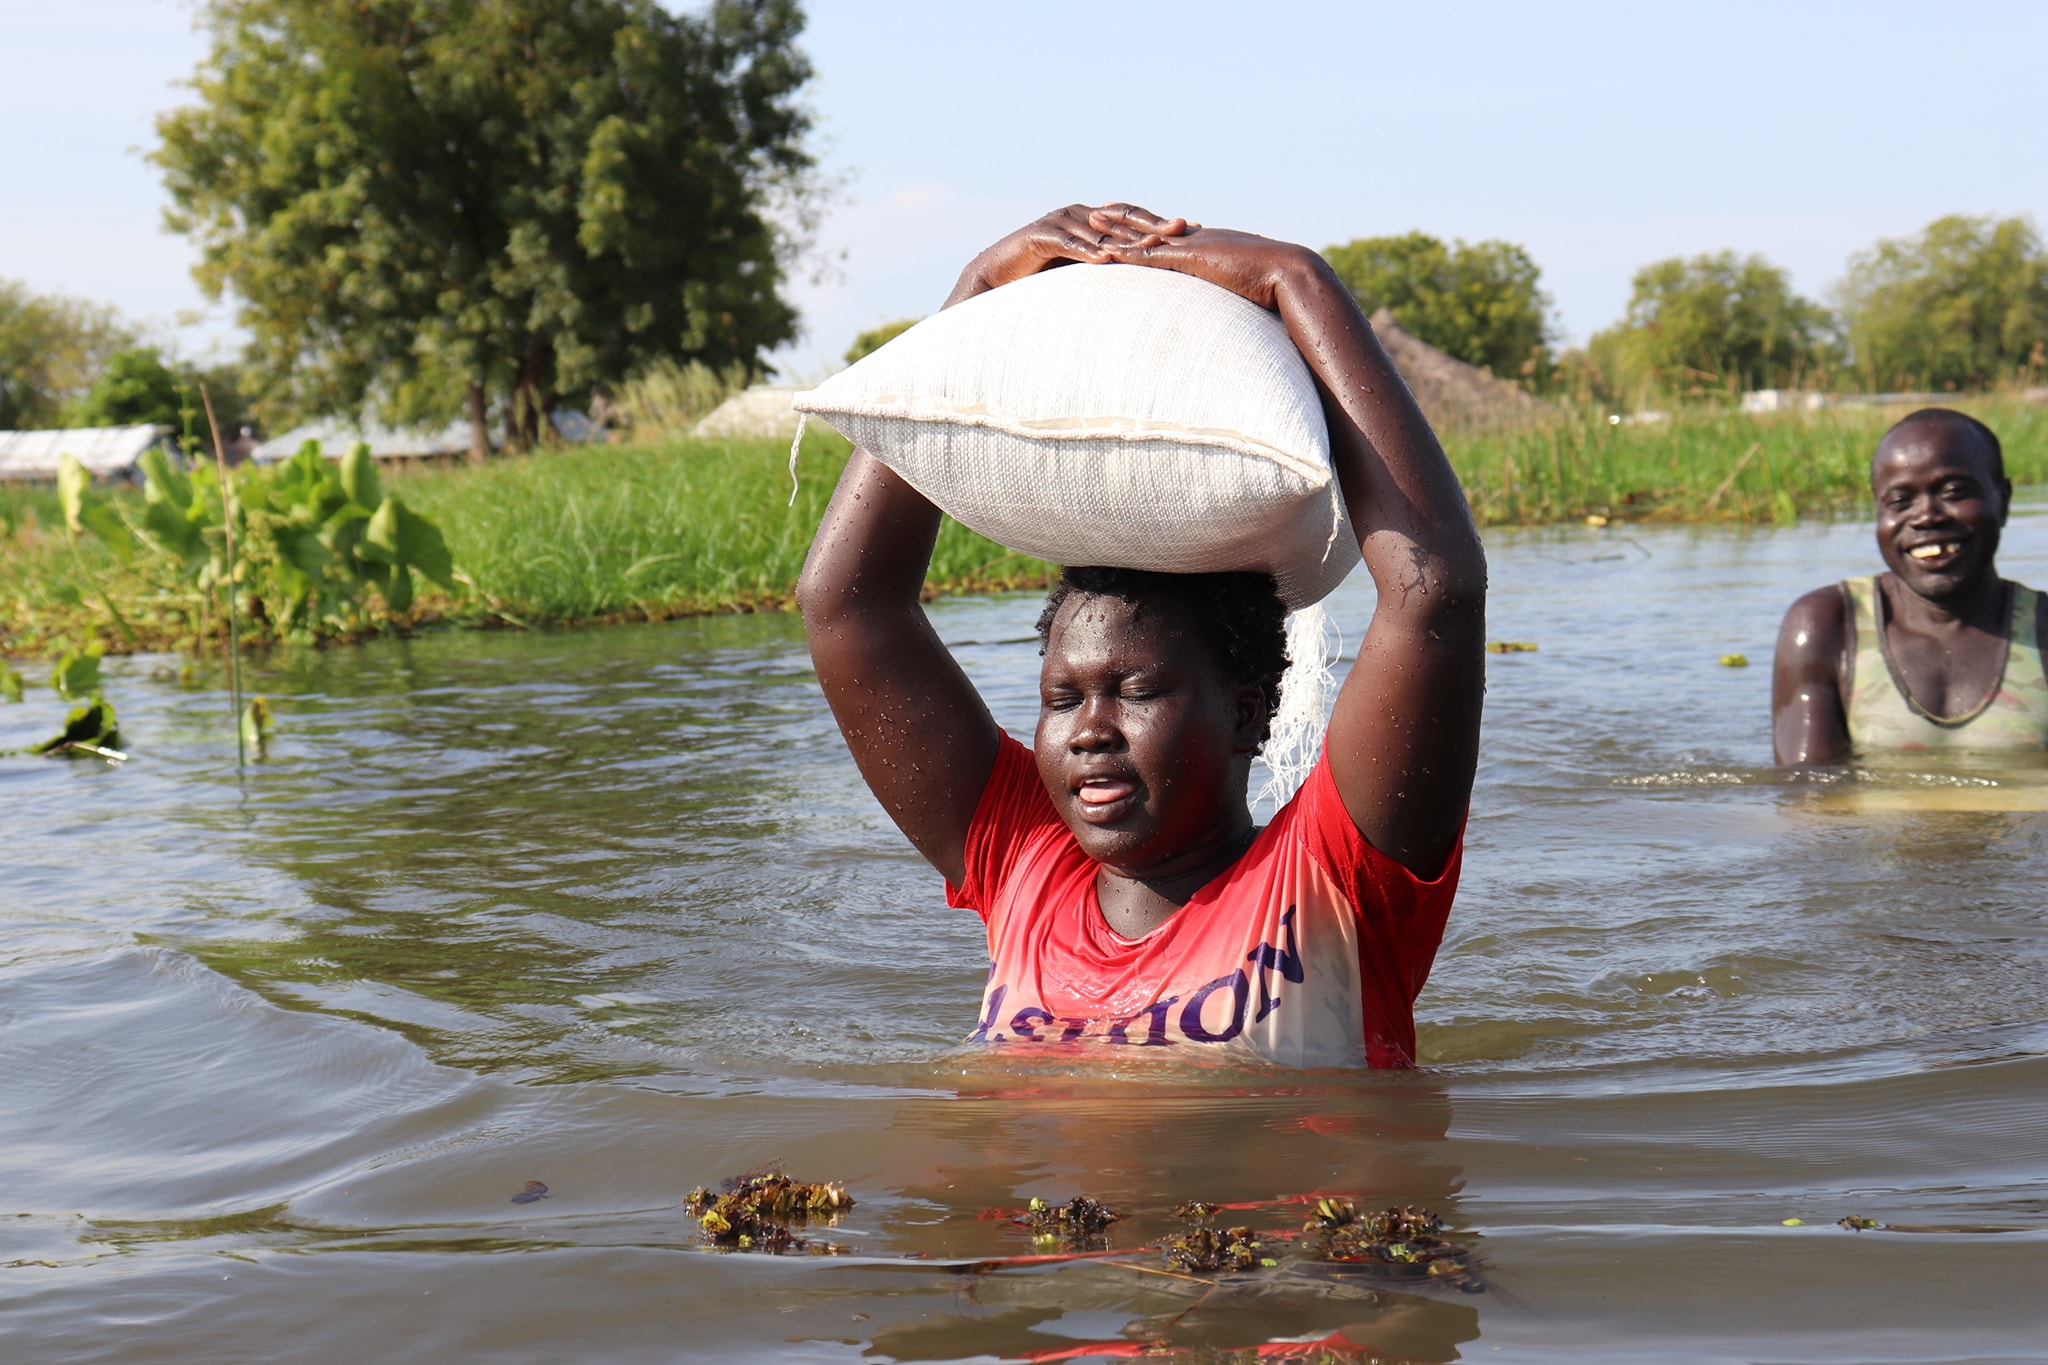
[1407, 1242]
[1206, 1249]
[1078, 1224]
[755, 1213]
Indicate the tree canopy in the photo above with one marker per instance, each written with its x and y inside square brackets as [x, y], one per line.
[135, 386]
[440, 204]
[1718, 322]
[875, 338]
[1479, 301]
[1962, 305]
[51, 347]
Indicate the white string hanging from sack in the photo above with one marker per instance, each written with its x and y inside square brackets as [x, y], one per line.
[1306, 691]
[803, 420]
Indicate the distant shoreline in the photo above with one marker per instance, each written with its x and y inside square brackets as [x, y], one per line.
[665, 529]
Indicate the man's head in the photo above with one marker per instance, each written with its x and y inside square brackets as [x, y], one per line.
[1938, 477]
[1156, 691]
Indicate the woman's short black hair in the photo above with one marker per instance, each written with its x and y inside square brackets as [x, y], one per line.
[1238, 615]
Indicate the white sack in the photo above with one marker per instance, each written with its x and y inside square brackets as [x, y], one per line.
[1110, 415]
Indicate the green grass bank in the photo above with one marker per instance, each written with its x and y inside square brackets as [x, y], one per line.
[584, 535]
[636, 533]
[1707, 464]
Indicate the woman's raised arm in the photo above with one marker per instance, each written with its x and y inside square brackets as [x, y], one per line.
[921, 734]
[1404, 739]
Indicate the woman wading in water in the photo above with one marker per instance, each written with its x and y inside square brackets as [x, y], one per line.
[1128, 896]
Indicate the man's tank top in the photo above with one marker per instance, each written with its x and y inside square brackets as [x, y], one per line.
[1883, 715]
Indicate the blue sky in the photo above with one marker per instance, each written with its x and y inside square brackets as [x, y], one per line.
[1599, 136]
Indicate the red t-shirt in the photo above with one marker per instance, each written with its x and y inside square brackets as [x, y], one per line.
[1309, 951]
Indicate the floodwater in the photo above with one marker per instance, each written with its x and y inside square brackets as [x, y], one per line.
[611, 910]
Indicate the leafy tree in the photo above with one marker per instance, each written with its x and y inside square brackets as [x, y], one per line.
[50, 349]
[1479, 301]
[1717, 322]
[1962, 305]
[875, 338]
[441, 203]
[136, 386]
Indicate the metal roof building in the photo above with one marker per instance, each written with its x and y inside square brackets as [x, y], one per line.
[385, 443]
[406, 443]
[106, 452]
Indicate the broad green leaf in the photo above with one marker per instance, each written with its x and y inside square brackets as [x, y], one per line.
[398, 535]
[397, 588]
[104, 522]
[359, 477]
[163, 482]
[342, 534]
[304, 550]
[76, 675]
[11, 682]
[72, 481]
[380, 537]
[178, 533]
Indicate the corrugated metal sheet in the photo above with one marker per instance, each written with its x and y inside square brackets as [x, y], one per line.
[386, 443]
[108, 452]
[396, 443]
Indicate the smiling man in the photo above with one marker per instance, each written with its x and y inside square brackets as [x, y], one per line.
[1130, 900]
[1940, 653]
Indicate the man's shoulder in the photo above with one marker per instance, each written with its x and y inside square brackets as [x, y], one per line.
[1824, 609]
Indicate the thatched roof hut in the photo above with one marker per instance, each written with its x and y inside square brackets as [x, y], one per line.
[1451, 392]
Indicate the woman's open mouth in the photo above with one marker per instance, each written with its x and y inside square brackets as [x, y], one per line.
[1105, 798]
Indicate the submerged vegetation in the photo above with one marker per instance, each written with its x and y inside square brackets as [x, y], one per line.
[651, 531]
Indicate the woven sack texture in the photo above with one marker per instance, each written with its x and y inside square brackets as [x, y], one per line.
[1113, 415]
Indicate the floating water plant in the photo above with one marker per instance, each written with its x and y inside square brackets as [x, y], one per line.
[1858, 1224]
[255, 727]
[1078, 1224]
[1735, 661]
[1510, 646]
[1206, 1249]
[89, 728]
[1406, 1241]
[755, 1213]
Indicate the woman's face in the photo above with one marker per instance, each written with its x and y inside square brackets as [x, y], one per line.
[1143, 745]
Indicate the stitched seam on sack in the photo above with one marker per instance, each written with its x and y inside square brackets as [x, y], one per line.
[1317, 473]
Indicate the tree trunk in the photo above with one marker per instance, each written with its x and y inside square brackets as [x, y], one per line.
[479, 431]
[524, 424]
